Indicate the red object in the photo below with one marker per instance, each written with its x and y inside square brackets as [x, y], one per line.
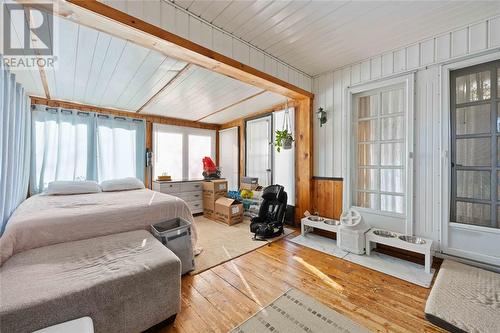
[209, 165]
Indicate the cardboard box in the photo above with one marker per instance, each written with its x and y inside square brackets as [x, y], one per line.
[208, 213]
[214, 188]
[229, 211]
[249, 183]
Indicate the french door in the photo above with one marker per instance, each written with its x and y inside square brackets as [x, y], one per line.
[474, 227]
[259, 149]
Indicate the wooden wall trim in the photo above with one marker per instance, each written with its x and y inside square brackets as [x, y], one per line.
[122, 113]
[117, 23]
[327, 197]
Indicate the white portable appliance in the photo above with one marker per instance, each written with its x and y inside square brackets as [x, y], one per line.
[351, 235]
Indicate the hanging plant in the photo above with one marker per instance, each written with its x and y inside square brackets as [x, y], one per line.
[284, 138]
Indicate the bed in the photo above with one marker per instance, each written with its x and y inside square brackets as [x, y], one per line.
[51, 219]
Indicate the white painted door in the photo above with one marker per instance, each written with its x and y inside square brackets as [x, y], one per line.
[473, 231]
[259, 149]
[229, 157]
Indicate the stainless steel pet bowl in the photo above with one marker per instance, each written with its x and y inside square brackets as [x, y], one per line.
[412, 239]
[332, 222]
[315, 218]
[384, 233]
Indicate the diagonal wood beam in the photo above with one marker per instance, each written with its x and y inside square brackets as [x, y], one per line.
[230, 106]
[176, 78]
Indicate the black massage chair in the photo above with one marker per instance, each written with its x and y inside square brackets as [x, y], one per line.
[272, 212]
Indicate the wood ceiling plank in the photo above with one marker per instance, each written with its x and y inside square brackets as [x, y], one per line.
[171, 82]
[141, 78]
[265, 101]
[115, 22]
[231, 105]
[126, 69]
[86, 49]
[104, 73]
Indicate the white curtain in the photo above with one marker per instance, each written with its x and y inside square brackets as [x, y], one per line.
[76, 145]
[62, 146]
[14, 144]
[120, 147]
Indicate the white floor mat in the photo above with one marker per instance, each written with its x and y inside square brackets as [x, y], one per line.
[402, 269]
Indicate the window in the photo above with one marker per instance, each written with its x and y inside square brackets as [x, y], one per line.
[178, 151]
[76, 145]
[475, 137]
[379, 170]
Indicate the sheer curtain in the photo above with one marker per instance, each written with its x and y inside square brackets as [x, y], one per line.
[62, 146]
[120, 147]
[14, 144]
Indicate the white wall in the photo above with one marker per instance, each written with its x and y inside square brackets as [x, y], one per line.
[167, 16]
[424, 58]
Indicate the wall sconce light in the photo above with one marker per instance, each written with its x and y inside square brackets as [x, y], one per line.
[321, 115]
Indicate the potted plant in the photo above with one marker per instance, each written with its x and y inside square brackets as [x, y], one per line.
[284, 139]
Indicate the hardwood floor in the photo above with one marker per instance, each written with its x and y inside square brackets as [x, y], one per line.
[220, 298]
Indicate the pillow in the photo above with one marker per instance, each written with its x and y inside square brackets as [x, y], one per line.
[122, 184]
[62, 187]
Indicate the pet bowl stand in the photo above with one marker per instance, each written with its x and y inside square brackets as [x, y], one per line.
[425, 249]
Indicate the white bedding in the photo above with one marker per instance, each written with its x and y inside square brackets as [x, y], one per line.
[48, 219]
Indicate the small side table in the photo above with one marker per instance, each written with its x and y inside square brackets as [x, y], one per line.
[425, 248]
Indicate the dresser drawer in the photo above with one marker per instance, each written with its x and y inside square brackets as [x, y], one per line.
[190, 186]
[196, 206]
[170, 187]
[190, 196]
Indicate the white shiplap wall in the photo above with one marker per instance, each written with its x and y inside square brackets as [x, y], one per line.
[167, 16]
[423, 58]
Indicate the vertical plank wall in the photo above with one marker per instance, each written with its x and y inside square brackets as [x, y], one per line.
[424, 58]
[167, 16]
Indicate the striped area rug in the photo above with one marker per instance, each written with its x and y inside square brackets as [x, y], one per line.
[296, 312]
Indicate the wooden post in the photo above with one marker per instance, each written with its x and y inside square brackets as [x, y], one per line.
[303, 157]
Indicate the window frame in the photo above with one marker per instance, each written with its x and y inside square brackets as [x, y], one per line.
[393, 221]
[493, 135]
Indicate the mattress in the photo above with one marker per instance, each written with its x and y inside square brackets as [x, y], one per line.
[465, 299]
[51, 219]
[125, 282]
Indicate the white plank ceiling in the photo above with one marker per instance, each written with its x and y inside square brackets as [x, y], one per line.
[317, 36]
[98, 69]
[245, 108]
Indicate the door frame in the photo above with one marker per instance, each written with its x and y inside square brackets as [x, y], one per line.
[445, 148]
[270, 115]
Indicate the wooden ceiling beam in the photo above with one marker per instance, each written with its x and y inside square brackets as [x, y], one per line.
[231, 105]
[176, 78]
[117, 23]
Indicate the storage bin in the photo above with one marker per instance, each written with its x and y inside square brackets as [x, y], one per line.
[175, 234]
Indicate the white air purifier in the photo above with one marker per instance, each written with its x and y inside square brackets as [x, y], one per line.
[351, 234]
